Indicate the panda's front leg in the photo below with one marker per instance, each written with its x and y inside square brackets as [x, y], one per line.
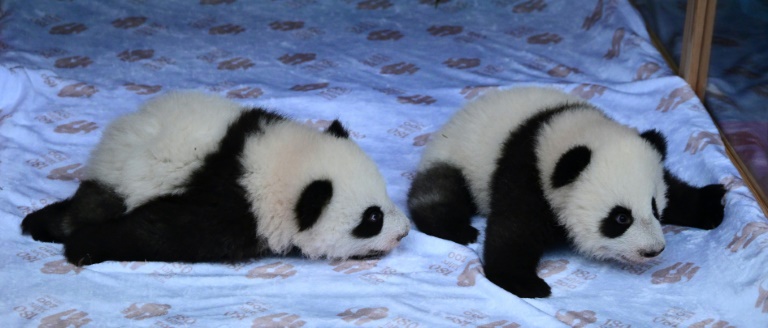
[511, 255]
[691, 206]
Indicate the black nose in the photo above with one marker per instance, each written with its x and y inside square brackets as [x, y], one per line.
[650, 254]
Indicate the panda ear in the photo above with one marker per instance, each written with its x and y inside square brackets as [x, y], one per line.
[313, 199]
[657, 140]
[570, 165]
[337, 130]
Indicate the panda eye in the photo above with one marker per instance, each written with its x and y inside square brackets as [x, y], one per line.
[623, 219]
[370, 224]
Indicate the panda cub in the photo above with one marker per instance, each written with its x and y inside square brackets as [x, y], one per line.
[197, 178]
[545, 167]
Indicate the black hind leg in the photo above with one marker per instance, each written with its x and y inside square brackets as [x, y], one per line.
[441, 205]
[91, 203]
[45, 223]
[171, 228]
[691, 206]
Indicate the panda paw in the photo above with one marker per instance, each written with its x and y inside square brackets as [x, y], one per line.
[524, 287]
[465, 236]
[81, 252]
[712, 208]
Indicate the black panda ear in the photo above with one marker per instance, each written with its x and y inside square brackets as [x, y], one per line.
[337, 130]
[657, 140]
[570, 165]
[313, 199]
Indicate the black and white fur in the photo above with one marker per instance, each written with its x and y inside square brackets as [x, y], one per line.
[197, 178]
[545, 167]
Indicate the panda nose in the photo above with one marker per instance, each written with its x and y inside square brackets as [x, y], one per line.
[650, 254]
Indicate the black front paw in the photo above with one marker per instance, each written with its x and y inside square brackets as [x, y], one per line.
[711, 206]
[524, 287]
[465, 236]
[81, 252]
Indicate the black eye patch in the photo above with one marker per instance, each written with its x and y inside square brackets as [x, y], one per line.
[371, 223]
[617, 222]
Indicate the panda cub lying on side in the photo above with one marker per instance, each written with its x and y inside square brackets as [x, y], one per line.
[545, 167]
[197, 178]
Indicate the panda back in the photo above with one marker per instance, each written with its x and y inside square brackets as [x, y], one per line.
[474, 137]
[153, 151]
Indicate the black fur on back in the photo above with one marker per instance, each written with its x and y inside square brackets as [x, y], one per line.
[441, 204]
[522, 223]
[210, 221]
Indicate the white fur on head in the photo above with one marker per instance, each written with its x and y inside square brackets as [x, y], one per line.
[624, 170]
[150, 152]
[287, 157]
[472, 139]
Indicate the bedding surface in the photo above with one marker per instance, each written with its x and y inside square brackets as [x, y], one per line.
[393, 72]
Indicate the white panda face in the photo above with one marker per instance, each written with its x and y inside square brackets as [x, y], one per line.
[609, 196]
[319, 192]
[340, 221]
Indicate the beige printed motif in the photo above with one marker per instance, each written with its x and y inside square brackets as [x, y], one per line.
[71, 317]
[226, 29]
[762, 296]
[548, 268]
[675, 98]
[78, 90]
[615, 50]
[416, 100]
[422, 139]
[646, 71]
[374, 4]
[286, 25]
[271, 271]
[706, 324]
[673, 229]
[363, 316]
[76, 127]
[588, 91]
[297, 59]
[545, 38]
[60, 267]
[562, 71]
[73, 62]
[675, 273]
[576, 319]
[400, 69]
[749, 233]
[129, 22]
[145, 311]
[67, 29]
[70, 172]
[353, 266]
[500, 324]
[236, 63]
[133, 265]
[445, 30]
[697, 142]
[529, 6]
[245, 93]
[593, 18]
[471, 270]
[385, 35]
[473, 91]
[462, 63]
[135, 55]
[143, 89]
[278, 320]
[309, 87]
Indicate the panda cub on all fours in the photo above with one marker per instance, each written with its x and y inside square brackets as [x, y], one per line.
[545, 167]
[192, 177]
